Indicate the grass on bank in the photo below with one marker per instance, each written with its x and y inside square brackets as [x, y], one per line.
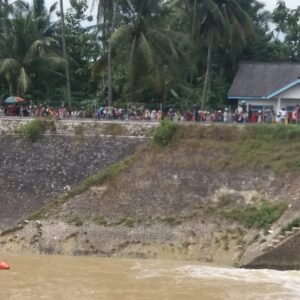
[294, 223]
[274, 147]
[257, 217]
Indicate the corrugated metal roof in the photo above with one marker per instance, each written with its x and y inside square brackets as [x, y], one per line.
[263, 79]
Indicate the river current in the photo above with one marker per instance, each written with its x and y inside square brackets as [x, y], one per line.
[89, 278]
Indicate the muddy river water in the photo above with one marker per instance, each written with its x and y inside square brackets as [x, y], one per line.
[84, 278]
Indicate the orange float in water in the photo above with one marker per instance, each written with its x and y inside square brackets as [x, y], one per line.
[4, 265]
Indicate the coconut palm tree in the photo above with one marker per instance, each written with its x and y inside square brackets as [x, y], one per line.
[152, 48]
[107, 13]
[27, 47]
[64, 47]
[6, 10]
[213, 22]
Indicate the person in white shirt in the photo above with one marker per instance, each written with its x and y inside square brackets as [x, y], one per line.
[283, 116]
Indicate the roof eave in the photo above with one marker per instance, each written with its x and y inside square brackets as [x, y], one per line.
[283, 89]
[245, 98]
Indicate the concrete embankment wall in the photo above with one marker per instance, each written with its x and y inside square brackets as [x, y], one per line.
[34, 173]
[285, 256]
[86, 126]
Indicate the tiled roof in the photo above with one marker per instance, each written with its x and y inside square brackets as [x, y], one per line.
[263, 79]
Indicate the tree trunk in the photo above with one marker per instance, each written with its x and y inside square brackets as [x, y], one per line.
[63, 38]
[193, 32]
[3, 24]
[132, 75]
[109, 58]
[194, 18]
[11, 89]
[109, 65]
[208, 74]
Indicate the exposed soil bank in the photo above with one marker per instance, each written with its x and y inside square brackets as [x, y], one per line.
[174, 201]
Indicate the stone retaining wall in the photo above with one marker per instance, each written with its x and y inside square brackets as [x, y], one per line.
[32, 174]
[86, 127]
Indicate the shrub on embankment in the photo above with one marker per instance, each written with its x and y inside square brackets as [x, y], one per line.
[259, 216]
[35, 128]
[164, 134]
[294, 223]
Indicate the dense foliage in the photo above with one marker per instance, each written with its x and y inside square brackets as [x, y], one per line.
[165, 132]
[175, 53]
[35, 128]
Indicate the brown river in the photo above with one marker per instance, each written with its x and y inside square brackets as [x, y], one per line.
[84, 278]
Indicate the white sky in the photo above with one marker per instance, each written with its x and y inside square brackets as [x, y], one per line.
[271, 4]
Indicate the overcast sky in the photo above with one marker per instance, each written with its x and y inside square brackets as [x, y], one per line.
[270, 4]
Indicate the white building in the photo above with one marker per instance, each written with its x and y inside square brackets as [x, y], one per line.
[267, 86]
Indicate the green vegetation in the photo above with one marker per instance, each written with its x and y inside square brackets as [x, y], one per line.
[108, 174]
[113, 129]
[270, 147]
[140, 51]
[259, 217]
[290, 225]
[12, 230]
[100, 220]
[254, 147]
[273, 133]
[35, 128]
[125, 221]
[79, 130]
[223, 200]
[165, 132]
[173, 220]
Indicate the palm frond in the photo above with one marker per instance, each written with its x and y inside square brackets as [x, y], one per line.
[99, 66]
[40, 48]
[23, 81]
[121, 34]
[52, 62]
[9, 65]
[146, 51]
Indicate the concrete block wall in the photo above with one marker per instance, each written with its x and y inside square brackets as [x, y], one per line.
[86, 127]
[32, 174]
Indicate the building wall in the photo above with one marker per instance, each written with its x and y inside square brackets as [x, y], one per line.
[289, 98]
[273, 103]
[262, 103]
[292, 93]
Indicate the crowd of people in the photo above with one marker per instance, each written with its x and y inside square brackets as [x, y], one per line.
[41, 111]
[252, 116]
[242, 114]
